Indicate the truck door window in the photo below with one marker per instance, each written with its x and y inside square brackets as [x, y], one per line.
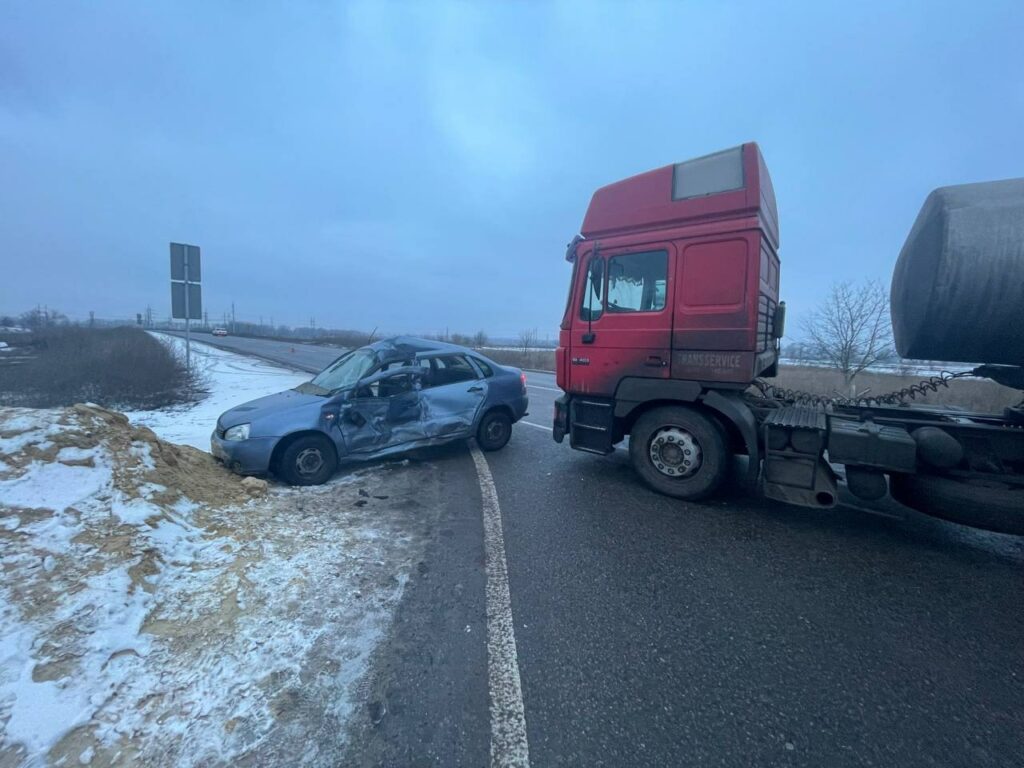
[593, 291]
[637, 281]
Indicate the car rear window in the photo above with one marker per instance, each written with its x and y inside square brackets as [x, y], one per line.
[484, 367]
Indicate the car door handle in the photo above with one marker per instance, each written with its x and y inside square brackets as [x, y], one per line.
[475, 388]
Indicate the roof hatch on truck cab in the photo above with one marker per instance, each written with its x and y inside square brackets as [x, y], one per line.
[727, 184]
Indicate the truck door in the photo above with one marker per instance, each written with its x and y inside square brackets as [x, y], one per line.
[623, 324]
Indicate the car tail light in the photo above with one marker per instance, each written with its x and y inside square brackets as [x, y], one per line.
[522, 378]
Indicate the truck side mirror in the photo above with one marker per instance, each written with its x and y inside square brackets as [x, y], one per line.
[779, 321]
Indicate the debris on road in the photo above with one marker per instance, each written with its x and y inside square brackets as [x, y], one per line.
[152, 611]
[255, 486]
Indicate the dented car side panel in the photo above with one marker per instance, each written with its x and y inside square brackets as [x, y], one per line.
[362, 424]
[452, 410]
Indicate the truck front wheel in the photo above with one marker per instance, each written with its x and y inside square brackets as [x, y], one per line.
[679, 451]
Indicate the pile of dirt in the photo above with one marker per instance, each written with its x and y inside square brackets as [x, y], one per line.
[142, 457]
[138, 458]
[158, 614]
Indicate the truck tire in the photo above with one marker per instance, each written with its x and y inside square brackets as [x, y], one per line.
[308, 460]
[679, 451]
[998, 508]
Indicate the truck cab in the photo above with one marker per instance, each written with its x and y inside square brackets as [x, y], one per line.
[674, 301]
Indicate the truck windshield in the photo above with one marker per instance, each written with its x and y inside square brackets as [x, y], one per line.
[346, 370]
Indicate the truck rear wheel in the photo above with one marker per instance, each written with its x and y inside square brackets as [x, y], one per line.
[679, 451]
[992, 507]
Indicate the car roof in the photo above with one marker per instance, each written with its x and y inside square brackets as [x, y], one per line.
[407, 346]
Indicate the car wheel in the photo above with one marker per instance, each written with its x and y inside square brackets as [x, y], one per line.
[679, 451]
[308, 460]
[494, 431]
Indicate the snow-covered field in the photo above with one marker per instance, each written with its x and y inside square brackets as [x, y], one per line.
[923, 368]
[232, 378]
[152, 613]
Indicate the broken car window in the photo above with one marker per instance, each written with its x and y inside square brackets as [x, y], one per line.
[346, 370]
[399, 384]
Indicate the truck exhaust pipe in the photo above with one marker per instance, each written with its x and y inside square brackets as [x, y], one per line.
[821, 493]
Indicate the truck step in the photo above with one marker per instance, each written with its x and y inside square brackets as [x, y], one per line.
[590, 425]
[797, 416]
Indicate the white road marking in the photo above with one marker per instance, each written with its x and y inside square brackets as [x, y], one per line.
[549, 389]
[509, 747]
[538, 426]
[621, 447]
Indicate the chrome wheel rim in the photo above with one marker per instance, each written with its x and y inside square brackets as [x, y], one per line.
[675, 453]
[309, 461]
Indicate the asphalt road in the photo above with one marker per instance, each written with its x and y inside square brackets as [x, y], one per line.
[304, 357]
[731, 633]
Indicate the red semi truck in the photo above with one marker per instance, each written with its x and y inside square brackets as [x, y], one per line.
[673, 316]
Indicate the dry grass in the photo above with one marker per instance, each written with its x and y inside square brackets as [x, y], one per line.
[534, 359]
[972, 394]
[114, 367]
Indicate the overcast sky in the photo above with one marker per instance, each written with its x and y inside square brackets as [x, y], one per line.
[414, 166]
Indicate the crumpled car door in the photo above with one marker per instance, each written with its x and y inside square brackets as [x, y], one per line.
[451, 409]
[383, 413]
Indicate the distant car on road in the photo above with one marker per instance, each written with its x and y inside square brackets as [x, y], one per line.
[384, 398]
[219, 332]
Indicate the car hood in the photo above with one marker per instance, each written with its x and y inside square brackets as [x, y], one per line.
[271, 405]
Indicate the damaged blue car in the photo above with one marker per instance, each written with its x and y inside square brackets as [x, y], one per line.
[391, 396]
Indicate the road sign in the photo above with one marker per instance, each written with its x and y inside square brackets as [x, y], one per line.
[180, 256]
[195, 301]
[186, 292]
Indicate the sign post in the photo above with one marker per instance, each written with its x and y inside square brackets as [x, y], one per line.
[186, 290]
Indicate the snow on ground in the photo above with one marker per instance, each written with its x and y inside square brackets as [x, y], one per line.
[923, 368]
[233, 379]
[151, 613]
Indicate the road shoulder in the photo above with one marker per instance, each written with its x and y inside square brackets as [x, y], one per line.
[426, 695]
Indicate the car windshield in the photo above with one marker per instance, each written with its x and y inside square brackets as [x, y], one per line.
[346, 370]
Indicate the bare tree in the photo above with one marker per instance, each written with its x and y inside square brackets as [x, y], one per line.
[851, 329]
[479, 340]
[528, 339]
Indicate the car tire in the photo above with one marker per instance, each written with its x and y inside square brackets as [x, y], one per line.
[679, 451]
[308, 460]
[992, 507]
[494, 431]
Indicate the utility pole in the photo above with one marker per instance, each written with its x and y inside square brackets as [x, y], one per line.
[92, 319]
[232, 317]
[206, 318]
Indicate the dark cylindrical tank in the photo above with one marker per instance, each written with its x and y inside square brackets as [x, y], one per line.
[958, 287]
